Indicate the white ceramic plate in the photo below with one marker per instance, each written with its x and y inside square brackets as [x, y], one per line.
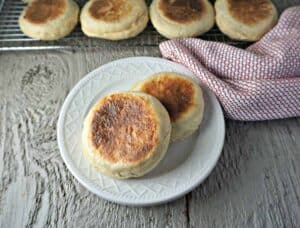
[186, 164]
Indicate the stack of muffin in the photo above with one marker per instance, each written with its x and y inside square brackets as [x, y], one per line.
[127, 134]
[122, 19]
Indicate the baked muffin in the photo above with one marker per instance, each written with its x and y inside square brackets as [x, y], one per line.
[114, 19]
[182, 98]
[126, 134]
[49, 19]
[182, 18]
[245, 20]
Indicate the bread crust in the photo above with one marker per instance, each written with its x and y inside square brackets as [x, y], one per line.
[245, 20]
[114, 19]
[181, 96]
[179, 19]
[126, 134]
[49, 19]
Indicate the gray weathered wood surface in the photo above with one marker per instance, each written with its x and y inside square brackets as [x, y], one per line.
[256, 182]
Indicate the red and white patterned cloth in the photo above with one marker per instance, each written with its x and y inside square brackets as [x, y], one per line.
[258, 83]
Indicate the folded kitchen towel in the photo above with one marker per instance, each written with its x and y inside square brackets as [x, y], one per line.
[258, 83]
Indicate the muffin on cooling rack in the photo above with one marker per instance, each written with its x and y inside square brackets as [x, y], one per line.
[49, 19]
[181, 18]
[114, 19]
[245, 20]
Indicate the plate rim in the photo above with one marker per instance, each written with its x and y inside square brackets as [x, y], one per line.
[108, 196]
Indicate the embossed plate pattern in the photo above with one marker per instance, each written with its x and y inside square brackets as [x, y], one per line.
[186, 164]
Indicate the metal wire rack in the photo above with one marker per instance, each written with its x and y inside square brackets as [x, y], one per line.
[11, 38]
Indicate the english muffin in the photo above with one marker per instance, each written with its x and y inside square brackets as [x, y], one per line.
[126, 134]
[49, 19]
[114, 19]
[181, 18]
[182, 98]
[245, 20]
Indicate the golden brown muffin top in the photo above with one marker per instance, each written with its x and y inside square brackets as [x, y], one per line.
[175, 93]
[124, 128]
[250, 11]
[182, 11]
[109, 10]
[40, 11]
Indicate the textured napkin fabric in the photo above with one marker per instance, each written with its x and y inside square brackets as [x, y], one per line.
[258, 83]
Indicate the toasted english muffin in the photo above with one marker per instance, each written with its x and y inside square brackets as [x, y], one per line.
[126, 134]
[182, 98]
[181, 18]
[114, 19]
[49, 19]
[245, 20]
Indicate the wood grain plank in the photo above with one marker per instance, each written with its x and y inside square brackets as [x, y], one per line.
[257, 180]
[36, 189]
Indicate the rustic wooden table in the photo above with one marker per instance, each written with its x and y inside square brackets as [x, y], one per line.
[256, 182]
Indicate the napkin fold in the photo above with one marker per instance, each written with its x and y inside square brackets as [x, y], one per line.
[257, 83]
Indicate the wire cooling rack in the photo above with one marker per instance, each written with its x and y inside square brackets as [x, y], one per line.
[11, 38]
